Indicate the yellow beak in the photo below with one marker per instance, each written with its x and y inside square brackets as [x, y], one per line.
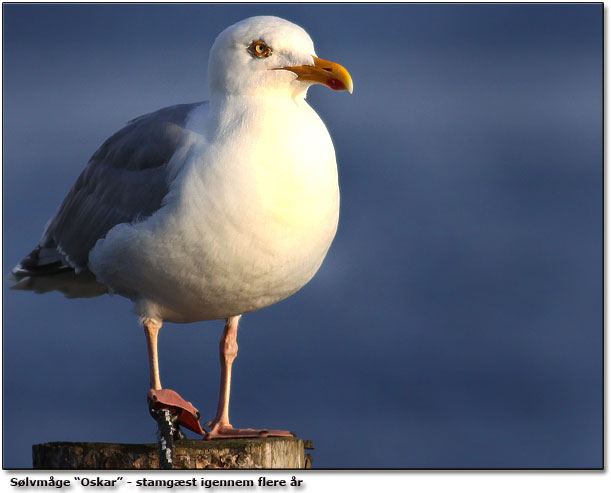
[330, 74]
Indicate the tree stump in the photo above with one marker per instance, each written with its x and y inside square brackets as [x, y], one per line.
[244, 453]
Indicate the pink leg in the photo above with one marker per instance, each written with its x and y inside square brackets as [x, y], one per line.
[151, 330]
[221, 428]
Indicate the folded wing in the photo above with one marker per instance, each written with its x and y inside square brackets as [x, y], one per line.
[126, 180]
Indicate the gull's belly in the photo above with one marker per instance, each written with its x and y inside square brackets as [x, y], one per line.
[237, 270]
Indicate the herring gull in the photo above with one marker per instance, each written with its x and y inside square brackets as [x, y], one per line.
[209, 210]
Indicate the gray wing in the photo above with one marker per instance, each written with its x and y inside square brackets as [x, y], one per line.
[124, 181]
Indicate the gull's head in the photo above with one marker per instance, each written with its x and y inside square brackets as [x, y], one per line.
[269, 56]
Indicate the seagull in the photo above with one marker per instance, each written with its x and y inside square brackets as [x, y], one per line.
[209, 210]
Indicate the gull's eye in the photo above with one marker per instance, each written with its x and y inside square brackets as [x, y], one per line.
[259, 49]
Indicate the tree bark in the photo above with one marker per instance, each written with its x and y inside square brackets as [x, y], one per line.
[244, 453]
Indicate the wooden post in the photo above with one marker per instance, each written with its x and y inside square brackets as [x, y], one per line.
[244, 453]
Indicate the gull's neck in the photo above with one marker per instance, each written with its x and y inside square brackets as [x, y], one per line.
[296, 93]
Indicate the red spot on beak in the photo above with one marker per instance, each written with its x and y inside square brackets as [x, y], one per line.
[336, 85]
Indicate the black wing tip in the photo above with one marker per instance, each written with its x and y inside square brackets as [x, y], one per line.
[66, 281]
[33, 266]
[20, 271]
